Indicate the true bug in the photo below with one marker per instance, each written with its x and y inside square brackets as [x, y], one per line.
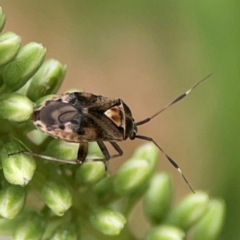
[84, 117]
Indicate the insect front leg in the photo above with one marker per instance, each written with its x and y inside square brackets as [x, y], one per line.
[82, 152]
[106, 153]
[118, 149]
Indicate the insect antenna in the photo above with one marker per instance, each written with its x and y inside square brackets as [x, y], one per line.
[167, 156]
[172, 102]
[156, 114]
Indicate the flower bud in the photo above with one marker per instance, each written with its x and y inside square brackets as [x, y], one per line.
[15, 107]
[2, 19]
[66, 231]
[189, 211]
[103, 188]
[18, 168]
[62, 150]
[24, 66]
[108, 222]
[135, 173]
[57, 197]
[149, 152]
[12, 200]
[31, 227]
[90, 172]
[94, 151]
[211, 224]
[131, 176]
[47, 80]
[165, 232]
[10, 44]
[158, 198]
[37, 137]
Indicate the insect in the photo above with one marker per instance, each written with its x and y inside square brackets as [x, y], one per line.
[82, 117]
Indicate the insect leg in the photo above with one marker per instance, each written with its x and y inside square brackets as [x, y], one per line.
[104, 151]
[82, 152]
[81, 155]
[118, 149]
[54, 159]
[166, 155]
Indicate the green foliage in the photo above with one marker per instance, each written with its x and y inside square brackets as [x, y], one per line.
[73, 202]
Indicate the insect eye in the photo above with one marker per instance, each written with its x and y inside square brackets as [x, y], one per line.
[133, 136]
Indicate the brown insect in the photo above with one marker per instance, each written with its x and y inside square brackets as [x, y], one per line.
[84, 117]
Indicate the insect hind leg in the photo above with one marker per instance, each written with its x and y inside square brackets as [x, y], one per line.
[167, 156]
[49, 158]
[81, 154]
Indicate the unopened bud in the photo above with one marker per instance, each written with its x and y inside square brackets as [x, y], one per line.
[12, 200]
[10, 44]
[108, 222]
[18, 168]
[57, 197]
[15, 107]
[24, 66]
[47, 80]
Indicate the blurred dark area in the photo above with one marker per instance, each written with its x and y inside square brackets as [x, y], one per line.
[147, 53]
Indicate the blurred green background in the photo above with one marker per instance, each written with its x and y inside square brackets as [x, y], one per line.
[147, 53]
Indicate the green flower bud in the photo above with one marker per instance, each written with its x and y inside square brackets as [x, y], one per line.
[165, 232]
[15, 107]
[57, 197]
[37, 137]
[62, 150]
[2, 19]
[10, 44]
[24, 66]
[211, 224]
[158, 198]
[131, 176]
[189, 211]
[108, 222]
[47, 80]
[66, 231]
[32, 226]
[90, 172]
[12, 200]
[19, 168]
[103, 187]
[149, 152]
[94, 151]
